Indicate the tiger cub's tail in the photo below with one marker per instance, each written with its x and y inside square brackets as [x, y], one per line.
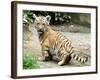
[78, 57]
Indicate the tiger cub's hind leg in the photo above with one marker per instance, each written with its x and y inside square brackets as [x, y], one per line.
[65, 58]
[64, 61]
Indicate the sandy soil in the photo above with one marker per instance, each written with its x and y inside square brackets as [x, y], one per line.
[82, 41]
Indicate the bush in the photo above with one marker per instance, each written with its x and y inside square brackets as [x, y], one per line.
[30, 62]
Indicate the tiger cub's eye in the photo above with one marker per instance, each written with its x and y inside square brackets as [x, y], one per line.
[43, 24]
[38, 23]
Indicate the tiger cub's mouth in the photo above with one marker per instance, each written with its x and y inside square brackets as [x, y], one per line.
[40, 31]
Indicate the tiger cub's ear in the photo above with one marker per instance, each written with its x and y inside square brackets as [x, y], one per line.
[48, 18]
[34, 16]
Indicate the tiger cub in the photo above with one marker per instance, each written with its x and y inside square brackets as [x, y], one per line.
[53, 44]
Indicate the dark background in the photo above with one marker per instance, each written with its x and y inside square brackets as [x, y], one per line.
[73, 22]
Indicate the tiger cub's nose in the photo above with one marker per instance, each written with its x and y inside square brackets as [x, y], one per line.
[40, 30]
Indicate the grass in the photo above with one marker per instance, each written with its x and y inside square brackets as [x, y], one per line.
[30, 62]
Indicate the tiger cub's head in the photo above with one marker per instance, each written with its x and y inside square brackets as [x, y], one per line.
[41, 23]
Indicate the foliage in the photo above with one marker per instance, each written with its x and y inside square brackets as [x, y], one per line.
[56, 17]
[66, 19]
[30, 62]
[59, 17]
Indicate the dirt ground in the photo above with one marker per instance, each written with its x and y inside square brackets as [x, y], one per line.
[82, 41]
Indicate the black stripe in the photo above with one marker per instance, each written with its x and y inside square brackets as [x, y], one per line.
[58, 42]
[57, 37]
[69, 47]
[71, 50]
[61, 42]
[61, 39]
[80, 60]
[55, 47]
[58, 34]
[59, 54]
[62, 55]
[74, 55]
[86, 59]
[77, 57]
[66, 44]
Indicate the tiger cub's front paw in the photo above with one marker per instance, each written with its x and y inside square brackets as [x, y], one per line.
[41, 59]
[46, 58]
[61, 63]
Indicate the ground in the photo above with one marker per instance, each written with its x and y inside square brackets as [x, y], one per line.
[82, 41]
